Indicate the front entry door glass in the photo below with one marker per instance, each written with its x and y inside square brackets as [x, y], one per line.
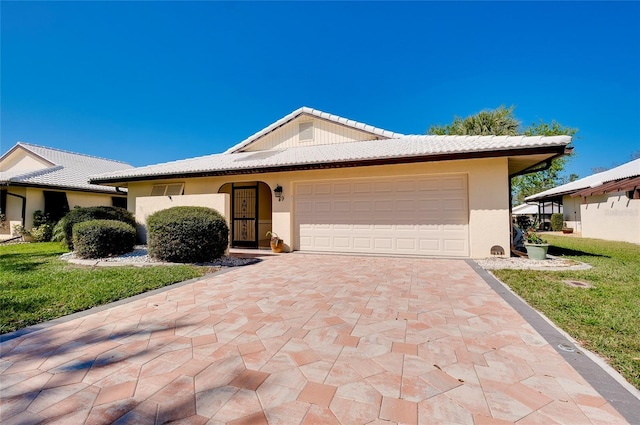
[245, 216]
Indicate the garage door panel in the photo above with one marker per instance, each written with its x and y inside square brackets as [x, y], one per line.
[383, 206]
[304, 207]
[405, 186]
[431, 245]
[453, 204]
[362, 206]
[383, 187]
[341, 242]
[453, 183]
[342, 206]
[428, 204]
[454, 245]
[304, 189]
[383, 243]
[425, 215]
[322, 189]
[364, 187]
[405, 244]
[428, 185]
[322, 206]
[405, 205]
[341, 188]
[362, 243]
[322, 241]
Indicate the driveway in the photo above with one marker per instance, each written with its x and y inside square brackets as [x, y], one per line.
[301, 339]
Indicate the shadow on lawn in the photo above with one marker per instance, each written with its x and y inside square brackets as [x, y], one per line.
[568, 252]
[20, 265]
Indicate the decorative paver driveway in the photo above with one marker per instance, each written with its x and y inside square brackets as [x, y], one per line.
[312, 339]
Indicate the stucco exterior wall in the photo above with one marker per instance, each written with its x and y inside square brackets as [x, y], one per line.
[489, 220]
[85, 199]
[35, 201]
[20, 160]
[571, 212]
[613, 217]
[14, 211]
[324, 133]
[145, 206]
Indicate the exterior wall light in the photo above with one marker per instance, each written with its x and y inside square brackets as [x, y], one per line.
[278, 193]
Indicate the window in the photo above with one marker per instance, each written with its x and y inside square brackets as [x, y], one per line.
[305, 131]
[55, 204]
[167, 189]
[119, 201]
[3, 201]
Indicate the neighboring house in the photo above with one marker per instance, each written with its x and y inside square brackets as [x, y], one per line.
[326, 183]
[538, 213]
[51, 180]
[605, 205]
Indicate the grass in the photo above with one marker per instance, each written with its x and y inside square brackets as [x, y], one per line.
[605, 318]
[35, 285]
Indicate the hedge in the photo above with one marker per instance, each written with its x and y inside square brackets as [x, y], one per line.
[103, 238]
[187, 235]
[78, 215]
[557, 222]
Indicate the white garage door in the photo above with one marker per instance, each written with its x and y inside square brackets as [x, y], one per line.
[418, 215]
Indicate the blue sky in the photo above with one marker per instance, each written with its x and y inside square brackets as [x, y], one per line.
[151, 82]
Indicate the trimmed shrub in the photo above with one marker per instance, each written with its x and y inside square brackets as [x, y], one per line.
[103, 238]
[78, 215]
[187, 235]
[557, 222]
[42, 233]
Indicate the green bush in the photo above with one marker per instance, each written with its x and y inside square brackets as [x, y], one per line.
[58, 231]
[557, 222]
[187, 234]
[78, 215]
[524, 222]
[40, 218]
[103, 238]
[42, 233]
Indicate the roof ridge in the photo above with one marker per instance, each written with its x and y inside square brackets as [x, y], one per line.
[319, 114]
[27, 145]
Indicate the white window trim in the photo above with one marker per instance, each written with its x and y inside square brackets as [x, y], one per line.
[166, 189]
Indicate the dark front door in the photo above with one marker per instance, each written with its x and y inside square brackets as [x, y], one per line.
[245, 216]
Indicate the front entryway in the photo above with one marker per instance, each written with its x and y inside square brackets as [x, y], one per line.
[244, 213]
[250, 213]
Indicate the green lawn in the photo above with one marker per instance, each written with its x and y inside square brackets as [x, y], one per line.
[605, 318]
[35, 285]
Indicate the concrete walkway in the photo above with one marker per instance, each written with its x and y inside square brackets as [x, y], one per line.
[301, 339]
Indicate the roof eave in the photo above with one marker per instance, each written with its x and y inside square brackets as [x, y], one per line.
[453, 156]
[57, 187]
[26, 148]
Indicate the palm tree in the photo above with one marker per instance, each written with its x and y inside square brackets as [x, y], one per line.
[497, 122]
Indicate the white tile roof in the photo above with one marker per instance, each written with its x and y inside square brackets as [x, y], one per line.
[70, 170]
[630, 169]
[319, 114]
[397, 148]
[526, 209]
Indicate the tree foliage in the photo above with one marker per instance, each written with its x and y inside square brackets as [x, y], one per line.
[500, 121]
[503, 122]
